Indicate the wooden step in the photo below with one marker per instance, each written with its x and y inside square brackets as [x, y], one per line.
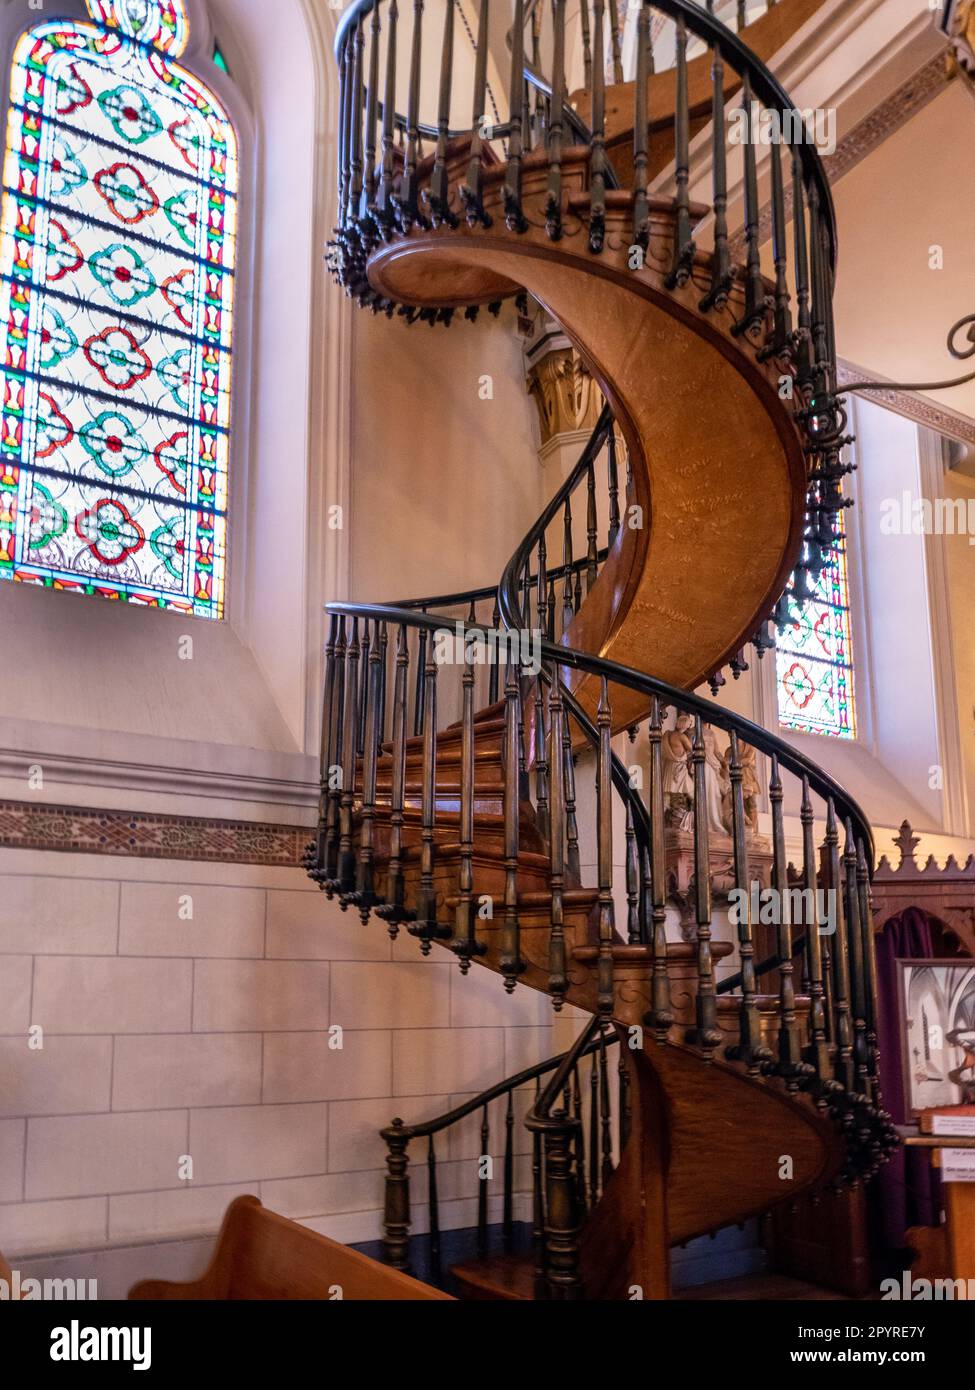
[504, 1278]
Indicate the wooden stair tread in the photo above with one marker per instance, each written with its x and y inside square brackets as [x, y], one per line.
[759, 1287]
[505, 1277]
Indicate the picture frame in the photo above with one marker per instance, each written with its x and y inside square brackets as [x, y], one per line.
[936, 1018]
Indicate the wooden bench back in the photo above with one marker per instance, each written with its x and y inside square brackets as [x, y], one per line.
[261, 1255]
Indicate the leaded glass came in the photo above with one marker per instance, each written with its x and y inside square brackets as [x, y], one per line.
[118, 244]
[814, 662]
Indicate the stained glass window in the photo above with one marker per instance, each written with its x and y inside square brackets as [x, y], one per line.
[814, 660]
[117, 245]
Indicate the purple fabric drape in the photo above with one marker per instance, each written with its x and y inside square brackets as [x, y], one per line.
[908, 1189]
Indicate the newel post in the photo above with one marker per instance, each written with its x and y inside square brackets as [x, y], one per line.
[563, 1247]
[396, 1214]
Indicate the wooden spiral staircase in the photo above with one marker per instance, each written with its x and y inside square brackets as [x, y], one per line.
[454, 783]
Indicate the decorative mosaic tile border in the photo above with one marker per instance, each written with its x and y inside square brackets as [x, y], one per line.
[81, 830]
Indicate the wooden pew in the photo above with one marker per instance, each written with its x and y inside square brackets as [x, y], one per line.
[261, 1255]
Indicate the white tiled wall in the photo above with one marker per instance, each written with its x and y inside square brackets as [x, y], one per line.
[174, 1045]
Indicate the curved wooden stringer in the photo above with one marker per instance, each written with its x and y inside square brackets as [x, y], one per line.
[705, 427]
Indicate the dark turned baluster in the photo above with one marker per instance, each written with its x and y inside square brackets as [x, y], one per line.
[782, 316]
[365, 877]
[426, 926]
[614, 491]
[593, 1132]
[358, 97]
[748, 1048]
[858, 982]
[466, 944]
[435, 1270]
[372, 108]
[538, 118]
[803, 340]
[633, 932]
[407, 204]
[541, 600]
[661, 1015]
[396, 1212]
[439, 195]
[553, 192]
[592, 550]
[526, 595]
[482, 1188]
[541, 762]
[625, 1115]
[345, 111]
[605, 1117]
[383, 666]
[364, 649]
[818, 1053]
[494, 676]
[870, 967]
[384, 199]
[317, 850]
[586, 44]
[333, 816]
[597, 157]
[821, 294]
[842, 1030]
[550, 624]
[419, 693]
[510, 962]
[393, 911]
[568, 610]
[507, 1215]
[571, 824]
[754, 314]
[742, 11]
[558, 981]
[350, 740]
[705, 1034]
[641, 208]
[651, 64]
[614, 35]
[538, 1208]
[790, 1051]
[721, 273]
[684, 247]
[514, 217]
[471, 191]
[578, 1141]
[604, 832]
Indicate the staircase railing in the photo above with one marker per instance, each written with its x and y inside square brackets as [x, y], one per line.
[578, 1126]
[827, 1047]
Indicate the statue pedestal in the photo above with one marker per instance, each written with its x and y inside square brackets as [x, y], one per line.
[679, 859]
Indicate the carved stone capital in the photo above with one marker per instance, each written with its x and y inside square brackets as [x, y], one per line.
[567, 398]
[958, 23]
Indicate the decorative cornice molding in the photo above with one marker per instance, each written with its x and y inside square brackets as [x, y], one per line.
[940, 418]
[135, 834]
[63, 769]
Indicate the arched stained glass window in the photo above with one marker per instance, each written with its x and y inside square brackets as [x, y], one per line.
[814, 660]
[118, 245]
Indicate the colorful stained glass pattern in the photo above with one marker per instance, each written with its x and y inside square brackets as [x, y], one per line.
[814, 662]
[117, 250]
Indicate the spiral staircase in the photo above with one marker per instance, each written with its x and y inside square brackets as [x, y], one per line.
[456, 785]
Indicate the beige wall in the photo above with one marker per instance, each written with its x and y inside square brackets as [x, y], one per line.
[164, 1037]
[444, 484]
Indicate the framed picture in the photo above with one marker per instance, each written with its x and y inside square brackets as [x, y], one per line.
[937, 1029]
